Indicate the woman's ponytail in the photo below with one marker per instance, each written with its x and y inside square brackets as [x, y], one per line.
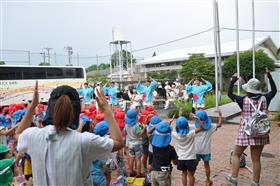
[63, 113]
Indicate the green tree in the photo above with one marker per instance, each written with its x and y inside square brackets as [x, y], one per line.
[262, 61]
[198, 66]
[2, 63]
[44, 64]
[163, 75]
[125, 58]
[91, 68]
[103, 66]
[278, 51]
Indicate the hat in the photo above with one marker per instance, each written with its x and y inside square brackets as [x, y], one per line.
[182, 126]
[3, 121]
[85, 120]
[154, 121]
[162, 135]
[206, 120]
[75, 101]
[4, 148]
[92, 108]
[6, 173]
[102, 128]
[120, 119]
[252, 86]
[150, 108]
[131, 117]
[99, 117]
[17, 116]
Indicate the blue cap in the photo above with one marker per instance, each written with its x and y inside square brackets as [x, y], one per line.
[85, 120]
[182, 126]
[162, 135]
[101, 128]
[17, 116]
[154, 121]
[131, 117]
[206, 120]
[3, 121]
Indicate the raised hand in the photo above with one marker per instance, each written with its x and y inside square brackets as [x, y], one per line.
[101, 100]
[35, 99]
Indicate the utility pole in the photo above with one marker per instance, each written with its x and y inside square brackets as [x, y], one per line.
[237, 47]
[97, 62]
[48, 53]
[55, 59]
[69, 51]
[253, 38]
[44, 56]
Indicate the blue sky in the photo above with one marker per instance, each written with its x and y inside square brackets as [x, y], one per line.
[87, 25]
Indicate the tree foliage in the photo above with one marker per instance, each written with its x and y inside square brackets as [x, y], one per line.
[125, 58]
[103, 66]
[91, 68]
[198, 66]
[163, 75]
[44, 64]
[2, 63]
[262, 61]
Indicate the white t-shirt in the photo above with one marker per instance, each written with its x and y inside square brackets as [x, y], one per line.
[185, 145]
[3, 139]
[93, 147]
[203, 140]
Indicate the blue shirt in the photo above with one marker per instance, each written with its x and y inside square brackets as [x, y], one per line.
[86, 93]
[148, 91]
[198, 91]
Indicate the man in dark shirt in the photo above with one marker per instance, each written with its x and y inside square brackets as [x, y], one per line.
[163, 154]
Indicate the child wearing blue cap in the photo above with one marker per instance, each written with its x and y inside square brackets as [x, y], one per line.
[100, 170]
[163, 154]
[203, 141]
[134, 140]
[185, 148]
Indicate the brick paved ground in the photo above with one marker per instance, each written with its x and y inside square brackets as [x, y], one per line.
[220, 166]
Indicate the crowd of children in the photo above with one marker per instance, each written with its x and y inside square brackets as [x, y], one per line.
[148, 151]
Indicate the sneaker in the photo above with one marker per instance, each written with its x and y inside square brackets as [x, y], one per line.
[255, 184]
[232, 180]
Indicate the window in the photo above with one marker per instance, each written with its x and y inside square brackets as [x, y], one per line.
[33, 73]
[10, 73]
[79, 73]
[54, 73]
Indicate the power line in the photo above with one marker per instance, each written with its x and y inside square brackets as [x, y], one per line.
[157, 45]
[249, 30]
[172, 41]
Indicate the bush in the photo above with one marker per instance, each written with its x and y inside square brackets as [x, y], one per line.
[210, 101]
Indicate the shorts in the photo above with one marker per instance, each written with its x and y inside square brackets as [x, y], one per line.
[204, 157]
[146, 149]
[150, 158]
[189, 165]
[135, 150]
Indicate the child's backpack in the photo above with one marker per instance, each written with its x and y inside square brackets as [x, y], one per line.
[259, 123]
[242, 158]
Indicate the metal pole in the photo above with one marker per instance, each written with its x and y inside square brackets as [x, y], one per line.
[110, 58]
[131, 59]
[253, 38]
[216, 55]
[78, 62]
[119, 44]
[97, 62]
[55, 59]
[28, 52]
[126, 59]
[220, 74]
[237, 46]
